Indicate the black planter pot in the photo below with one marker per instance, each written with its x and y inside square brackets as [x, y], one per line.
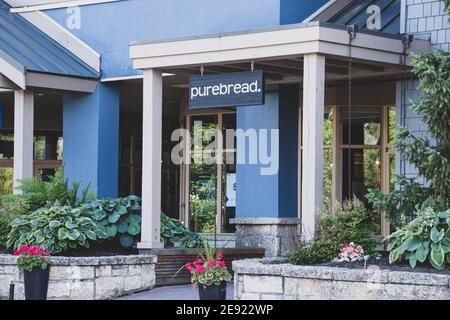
[213, 292]
[36, 284]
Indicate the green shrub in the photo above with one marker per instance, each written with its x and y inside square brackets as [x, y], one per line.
[351, 223]
[313, 252]
[38, 193]
[173, 232]
[430, 155]
[426, 238]
[120, 217]
[56, 228]
[11, 207]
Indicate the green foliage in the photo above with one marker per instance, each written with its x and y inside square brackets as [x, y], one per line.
[426, 238]
[431, 158]
[117, 217]
[351, 223]
[173, 232]
[6, 185]
[10, 208]
[38, 193]
[56, 229]
[314, 252]
[203, 206]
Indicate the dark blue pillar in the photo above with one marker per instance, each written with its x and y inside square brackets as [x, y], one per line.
[270, 195]
[91, 139]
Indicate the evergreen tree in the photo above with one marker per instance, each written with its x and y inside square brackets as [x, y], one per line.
[431, 156]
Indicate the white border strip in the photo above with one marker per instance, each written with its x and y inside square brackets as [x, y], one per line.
[319, 11]
[27, 6]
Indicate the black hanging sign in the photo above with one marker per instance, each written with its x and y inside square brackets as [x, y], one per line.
[226, 90]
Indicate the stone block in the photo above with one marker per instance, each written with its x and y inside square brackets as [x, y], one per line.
[58, 290]
[135, 269]
[108, 287]
[103, 271]
[132, 283]
[263, 284]
[82, 290]
[119, 270]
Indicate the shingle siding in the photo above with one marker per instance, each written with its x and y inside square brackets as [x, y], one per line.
[426, 19]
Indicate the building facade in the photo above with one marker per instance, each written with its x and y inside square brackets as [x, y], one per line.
[103, 86]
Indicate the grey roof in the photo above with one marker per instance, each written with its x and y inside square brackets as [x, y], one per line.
[29, 49]
[355, 13]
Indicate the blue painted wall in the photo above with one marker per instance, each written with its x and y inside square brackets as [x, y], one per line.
[275, 195]
[110, 27]
[91, 139]
[295, 11]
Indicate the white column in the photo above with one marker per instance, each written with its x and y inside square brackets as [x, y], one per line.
[312, 162]
[23, 135]
[151, 160]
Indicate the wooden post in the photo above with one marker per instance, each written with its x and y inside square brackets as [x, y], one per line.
[151, 160]
[313, 123]
[23, 136]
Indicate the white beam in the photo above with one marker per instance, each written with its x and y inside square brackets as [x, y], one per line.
[312, 160]
[151, 160]
[23, 135]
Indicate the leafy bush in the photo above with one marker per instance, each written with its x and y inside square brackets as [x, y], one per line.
[173, 232]
[10, 208]
[426, 238]
[56, 229]
[351, 223]
[313, 252]
[38, 193]
[119, 217]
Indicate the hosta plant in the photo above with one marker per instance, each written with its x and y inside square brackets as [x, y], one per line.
[173, 232]
[119, 217]
[426, 238]
[56, 229]
[32, 257]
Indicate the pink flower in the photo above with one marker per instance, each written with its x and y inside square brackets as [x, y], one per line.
[219, 255]
[221, 264]
[199, 269]
[211, 264]
[17, 252]
[188, 267]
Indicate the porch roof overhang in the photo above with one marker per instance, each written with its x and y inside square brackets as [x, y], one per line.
[285, 42]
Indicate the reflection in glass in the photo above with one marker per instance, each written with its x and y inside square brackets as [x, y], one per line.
[202, 200]
[228, 194]
[361, 126]
[365, 172]
[327, 178]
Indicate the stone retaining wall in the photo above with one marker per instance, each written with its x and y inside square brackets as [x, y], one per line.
[257, 281]
[87, 278]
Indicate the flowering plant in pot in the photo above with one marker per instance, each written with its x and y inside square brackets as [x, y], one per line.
[34, 262]
[211, 275]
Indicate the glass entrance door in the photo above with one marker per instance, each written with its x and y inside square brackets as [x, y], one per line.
[209, 185]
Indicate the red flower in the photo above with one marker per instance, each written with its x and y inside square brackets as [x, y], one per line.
[188, 267]
[199, 269]
[219, 255]
[17, 252]
[211, 264]
[221, 264]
